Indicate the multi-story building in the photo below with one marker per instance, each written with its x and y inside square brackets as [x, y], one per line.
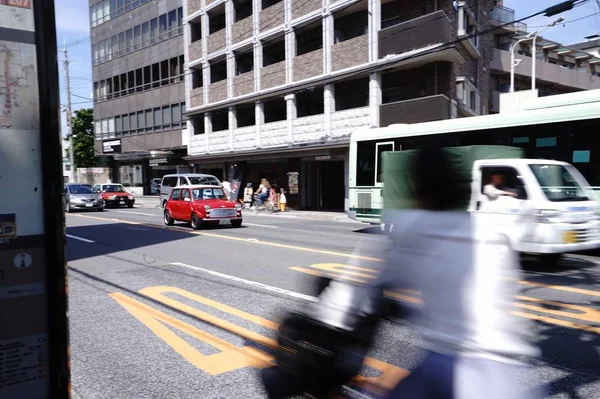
[276, 87]
[590, 45]
[559, 69]
[139, 89]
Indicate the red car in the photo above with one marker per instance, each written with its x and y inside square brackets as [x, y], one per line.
[114, 195]
[202, 205]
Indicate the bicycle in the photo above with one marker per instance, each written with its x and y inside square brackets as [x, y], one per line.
[268, 205]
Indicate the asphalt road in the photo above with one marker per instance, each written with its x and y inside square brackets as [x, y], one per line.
[173, 313]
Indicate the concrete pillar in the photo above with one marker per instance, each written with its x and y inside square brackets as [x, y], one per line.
[258, 62]
[290, 101]
[206, 80]
[259, 116]
[232, 116]
[207, 129]
[328, 38]
[374, 97]
[374, 28]
[229, 21]
[329, 107]
[290, 53]
[204, 26]
[231, 68]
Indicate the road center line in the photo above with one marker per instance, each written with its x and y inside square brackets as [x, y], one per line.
[139, 213]
[80, 238]
[292, 294]
[261, 225]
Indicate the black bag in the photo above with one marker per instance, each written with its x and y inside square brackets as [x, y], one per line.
[316, 357]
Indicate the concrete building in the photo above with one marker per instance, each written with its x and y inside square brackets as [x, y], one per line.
[590, 45]
[559, 69]
[139, 89]
[276, 87]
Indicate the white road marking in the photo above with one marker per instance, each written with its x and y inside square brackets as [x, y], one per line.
[249, 282]
[261, 225]
[80, 238]
[252, 240]
[140, 213]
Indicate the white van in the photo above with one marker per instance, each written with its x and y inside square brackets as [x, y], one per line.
[555, 210]
[184, 179]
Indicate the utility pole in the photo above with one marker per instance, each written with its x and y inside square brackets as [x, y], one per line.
[68, 111]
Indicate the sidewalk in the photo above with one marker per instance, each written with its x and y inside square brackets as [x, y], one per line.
[152, 202]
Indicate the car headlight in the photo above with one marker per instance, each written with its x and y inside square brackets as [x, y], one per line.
[238, 207]
[547, 216]
[130, 197]
[207, 208]
[112, 197]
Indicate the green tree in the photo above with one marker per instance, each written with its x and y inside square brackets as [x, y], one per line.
[82, 125]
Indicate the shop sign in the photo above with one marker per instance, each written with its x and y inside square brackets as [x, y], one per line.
[293, 182]
[323, 158]
[111, 147]
[158, 161]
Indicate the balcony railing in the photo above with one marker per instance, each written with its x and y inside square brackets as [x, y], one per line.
[423, 109]
[503, 14]
[423, 31]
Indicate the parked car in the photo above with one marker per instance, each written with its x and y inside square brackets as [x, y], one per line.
[115, 195]
[82, 197]
[184, 179]
[202, 205]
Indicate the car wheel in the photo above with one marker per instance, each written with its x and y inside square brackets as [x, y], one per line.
[100, 209]
[129, 205]
[236, 223]
[550, 258]
[168, 219]
[195, 222]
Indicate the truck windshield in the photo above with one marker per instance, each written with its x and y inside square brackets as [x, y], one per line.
[559, 184]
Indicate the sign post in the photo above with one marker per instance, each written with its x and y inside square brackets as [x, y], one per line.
[34, 361]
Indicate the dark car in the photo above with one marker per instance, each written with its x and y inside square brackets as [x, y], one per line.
[115, 195]
[81, 197]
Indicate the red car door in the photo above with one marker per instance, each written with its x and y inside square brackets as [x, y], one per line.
[185, 206]
[173, 205]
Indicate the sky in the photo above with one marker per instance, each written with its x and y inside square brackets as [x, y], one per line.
[73, 26]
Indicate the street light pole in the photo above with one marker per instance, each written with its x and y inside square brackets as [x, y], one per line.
[69, 126]
[534, 51]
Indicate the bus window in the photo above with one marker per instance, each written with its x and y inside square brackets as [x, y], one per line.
[365, 163]
[381, 148]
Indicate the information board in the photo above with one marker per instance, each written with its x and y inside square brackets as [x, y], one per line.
[33, 320]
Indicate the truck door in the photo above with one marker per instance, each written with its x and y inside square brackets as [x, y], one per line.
[505, 211]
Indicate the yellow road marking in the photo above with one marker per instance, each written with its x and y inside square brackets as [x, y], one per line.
[267, 243]
[231, 357]
[582, 312]
[341, 254]
[561, 288]
[563, 323]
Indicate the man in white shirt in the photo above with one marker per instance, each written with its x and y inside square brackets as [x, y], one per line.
[493, 190]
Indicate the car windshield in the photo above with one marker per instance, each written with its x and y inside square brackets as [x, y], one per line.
[559, 184]
[114, 188]
[209, 193]
[208, 180]
[80, 189]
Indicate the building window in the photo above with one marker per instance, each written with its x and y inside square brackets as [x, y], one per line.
[176, 115]
[141, 120]
[157, 118]
[149, 120]
[129, 41]
[546, 142]
[162, 27]
[172, 21]
[166, 111]
[137, 37]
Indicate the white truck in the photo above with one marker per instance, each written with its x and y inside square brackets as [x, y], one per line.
[548, 208]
